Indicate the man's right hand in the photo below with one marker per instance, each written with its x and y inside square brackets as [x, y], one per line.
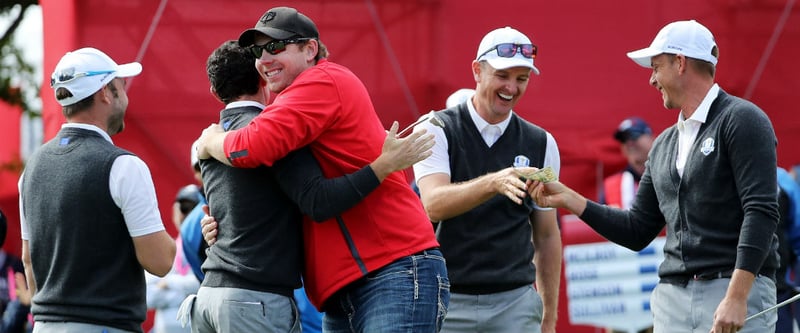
[209, 227]
[507, 182]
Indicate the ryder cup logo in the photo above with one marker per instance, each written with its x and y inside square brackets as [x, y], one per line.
[707, 147]
[521, 161]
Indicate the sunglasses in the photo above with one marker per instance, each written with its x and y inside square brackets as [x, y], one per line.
[509, 50]
[274, 47]
[65, 76]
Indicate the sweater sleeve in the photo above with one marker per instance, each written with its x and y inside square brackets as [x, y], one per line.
[620, 226]
[751, 143]
[634, 228]
[300, 176]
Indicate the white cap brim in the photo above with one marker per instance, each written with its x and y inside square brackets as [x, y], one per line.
[516, 61]
[644, 56]
[128, 70]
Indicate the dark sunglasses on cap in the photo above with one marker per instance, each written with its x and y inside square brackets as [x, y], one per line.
[274, 47]
[65, 76]
[509, 50]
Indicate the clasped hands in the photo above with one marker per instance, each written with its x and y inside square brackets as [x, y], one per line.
[517, 182]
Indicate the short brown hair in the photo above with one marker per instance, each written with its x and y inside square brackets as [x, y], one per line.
[703, 66]
[70, 110]
[322, 50]
[84, 104]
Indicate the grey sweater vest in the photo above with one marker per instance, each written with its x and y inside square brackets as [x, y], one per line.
[83, 257]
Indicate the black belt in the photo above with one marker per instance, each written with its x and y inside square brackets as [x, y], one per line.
[683, 280]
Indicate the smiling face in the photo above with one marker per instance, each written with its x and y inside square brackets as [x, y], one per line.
[280, 70]
[498, 90]
[665, 79]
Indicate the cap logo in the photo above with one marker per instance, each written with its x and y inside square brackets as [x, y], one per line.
[269, 16]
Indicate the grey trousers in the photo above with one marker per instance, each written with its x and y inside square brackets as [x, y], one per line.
[233, 310]
[516, 310]
[691, 309]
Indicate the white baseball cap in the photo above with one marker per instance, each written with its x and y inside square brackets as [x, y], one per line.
[505, 35]
[688, 38]
[85, 71]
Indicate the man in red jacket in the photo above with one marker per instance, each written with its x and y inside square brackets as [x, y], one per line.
[376, 267]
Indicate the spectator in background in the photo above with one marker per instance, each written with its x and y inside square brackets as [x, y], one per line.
[187, 198]
[619, 190]
[15, 298]
[795, 173]
[166, 294]
[192, 244]
[459, 96]
[310, 317]
[789, 247]
[635, 138]
[89, 214]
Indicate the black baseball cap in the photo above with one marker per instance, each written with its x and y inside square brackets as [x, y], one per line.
[280, 23]
[188, 197]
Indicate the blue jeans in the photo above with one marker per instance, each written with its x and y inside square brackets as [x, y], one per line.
[409, 295]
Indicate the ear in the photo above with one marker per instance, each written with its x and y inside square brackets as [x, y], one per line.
[682, 63]
[311, 49]
[105, 94]
[476, 71]
[214, 93]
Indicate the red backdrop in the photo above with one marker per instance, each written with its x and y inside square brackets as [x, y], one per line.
[412, 54]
